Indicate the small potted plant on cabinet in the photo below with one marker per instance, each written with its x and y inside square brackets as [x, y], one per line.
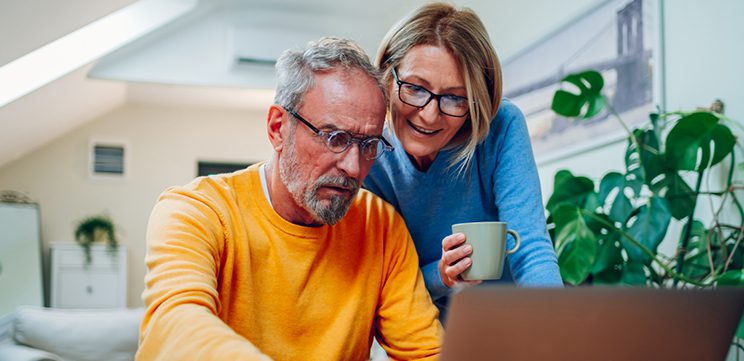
[96, 229]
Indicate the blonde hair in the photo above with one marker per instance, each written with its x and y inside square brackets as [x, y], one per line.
[462, 33]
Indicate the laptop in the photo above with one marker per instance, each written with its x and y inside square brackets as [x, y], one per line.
[500, 323]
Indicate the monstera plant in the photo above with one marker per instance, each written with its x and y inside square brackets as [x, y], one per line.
[609, 233]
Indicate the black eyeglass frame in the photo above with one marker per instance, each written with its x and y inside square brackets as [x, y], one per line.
[386, 146]
[432, 95]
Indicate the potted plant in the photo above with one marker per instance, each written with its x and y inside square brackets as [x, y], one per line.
[609, 233]
[98, 228]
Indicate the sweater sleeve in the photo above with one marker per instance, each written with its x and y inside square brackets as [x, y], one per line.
[406, 322]
[433, 280]
[517, 196]
[184, 245]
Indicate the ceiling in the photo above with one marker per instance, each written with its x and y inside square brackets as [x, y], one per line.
[187, 60]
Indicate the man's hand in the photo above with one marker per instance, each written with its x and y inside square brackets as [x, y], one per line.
[455, 260]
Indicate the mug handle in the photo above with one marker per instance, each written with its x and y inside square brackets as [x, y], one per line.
[516, 238]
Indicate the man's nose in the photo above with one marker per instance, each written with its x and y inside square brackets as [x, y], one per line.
[351, 161]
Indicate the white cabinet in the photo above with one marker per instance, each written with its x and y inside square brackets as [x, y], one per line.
[101, 284]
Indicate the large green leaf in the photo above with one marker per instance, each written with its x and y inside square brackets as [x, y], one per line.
[644, 163]
[701, 251]
[621, 207]
[679, 196]
[722, 141]
[578, 191]
[576, 244]
[598, 223]
[562, 176]
[608, 269]
[697, 265]
[633, 274]
[732, 278]
[698, 236]
[565, 215]
[609, 182]
[737, 260]
[698, 131]
[589, 100]
[649, 227]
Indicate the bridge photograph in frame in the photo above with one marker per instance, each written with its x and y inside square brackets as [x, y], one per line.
[620, 39]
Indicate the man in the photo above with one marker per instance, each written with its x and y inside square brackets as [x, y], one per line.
[289, 260]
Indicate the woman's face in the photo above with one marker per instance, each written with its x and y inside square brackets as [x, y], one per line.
[423, 132]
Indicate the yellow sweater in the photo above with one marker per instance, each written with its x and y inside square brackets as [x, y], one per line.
[230, 279]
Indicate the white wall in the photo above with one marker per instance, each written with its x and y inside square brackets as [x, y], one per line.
[165, 144]
[704, 51]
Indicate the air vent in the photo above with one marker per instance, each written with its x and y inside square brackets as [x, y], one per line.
[108, 159]
[261, 46]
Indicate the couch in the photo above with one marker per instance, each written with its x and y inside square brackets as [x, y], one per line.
[36, 333]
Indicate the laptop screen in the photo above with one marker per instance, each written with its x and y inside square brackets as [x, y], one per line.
[507, 323]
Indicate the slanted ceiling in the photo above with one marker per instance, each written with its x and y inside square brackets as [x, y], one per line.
[30, 122]
[26, 25]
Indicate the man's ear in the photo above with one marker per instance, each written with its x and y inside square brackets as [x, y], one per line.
[275, 125]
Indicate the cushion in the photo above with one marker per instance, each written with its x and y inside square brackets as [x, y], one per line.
[6, 329]
[10, 352]
[80, 335]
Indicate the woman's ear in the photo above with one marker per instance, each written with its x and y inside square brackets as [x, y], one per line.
[274, 126]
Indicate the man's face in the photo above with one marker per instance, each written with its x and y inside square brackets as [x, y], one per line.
[321, 182]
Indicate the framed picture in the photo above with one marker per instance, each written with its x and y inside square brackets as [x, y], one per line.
[620, 39]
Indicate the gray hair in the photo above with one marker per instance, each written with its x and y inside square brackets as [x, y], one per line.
[296, 68]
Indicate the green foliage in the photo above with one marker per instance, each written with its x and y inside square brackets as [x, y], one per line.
[99, 228]
[609, 233]
[576, 242]
[587, 103]
[689, 143]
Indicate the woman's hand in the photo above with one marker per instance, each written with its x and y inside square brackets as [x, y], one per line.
[455, 260]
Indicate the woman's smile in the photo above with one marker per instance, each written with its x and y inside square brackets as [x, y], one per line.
[422, 130]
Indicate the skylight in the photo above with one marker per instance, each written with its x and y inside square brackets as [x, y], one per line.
[54, 60]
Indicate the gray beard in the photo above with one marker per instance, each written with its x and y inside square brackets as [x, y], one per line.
[329, 212]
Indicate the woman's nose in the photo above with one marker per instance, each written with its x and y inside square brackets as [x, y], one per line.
[430, 112]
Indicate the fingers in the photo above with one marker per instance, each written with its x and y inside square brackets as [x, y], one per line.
[451, 241]
[454, 270]
[454, 259]
[457, 255]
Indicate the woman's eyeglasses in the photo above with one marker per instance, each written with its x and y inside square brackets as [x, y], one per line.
[418, 96]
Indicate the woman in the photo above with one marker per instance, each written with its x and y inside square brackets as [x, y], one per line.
[462, 154]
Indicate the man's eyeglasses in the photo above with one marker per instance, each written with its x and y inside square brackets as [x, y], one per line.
[338, 141]
[418, 96]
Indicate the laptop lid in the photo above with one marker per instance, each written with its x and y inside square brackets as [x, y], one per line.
[499, 323]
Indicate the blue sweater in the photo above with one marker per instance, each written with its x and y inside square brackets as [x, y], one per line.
[501, 185]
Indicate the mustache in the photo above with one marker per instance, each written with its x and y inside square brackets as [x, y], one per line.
[341, 181]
